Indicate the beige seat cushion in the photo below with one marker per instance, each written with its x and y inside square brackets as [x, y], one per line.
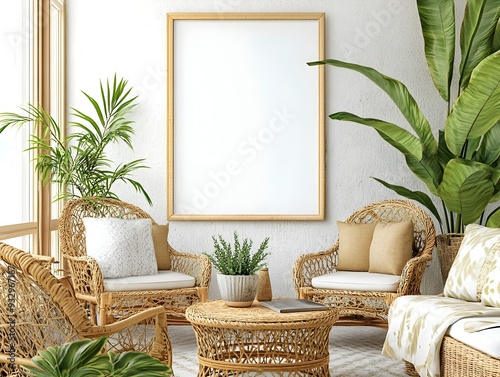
[357, 281]
[162, 280]
[354, 246]
[391, 247]
[160, 240]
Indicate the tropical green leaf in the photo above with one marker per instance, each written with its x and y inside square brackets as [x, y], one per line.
[79, 163]
[466, 188]
[400, 95]
[137, 364]
[470, 148]
[476, 111]
[97, 108]
[424, 166]
[496, 37]
[417, 196]
[96, 128]
[444, 154]
[493, 219]
[398, 137]
[489, 150]
[476, 36]
[437, 18]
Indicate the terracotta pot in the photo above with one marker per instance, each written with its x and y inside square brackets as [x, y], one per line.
[238, 290]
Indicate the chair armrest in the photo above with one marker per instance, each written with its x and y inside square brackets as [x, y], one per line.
[123, 324]
[86, 276]
[412, 274]
[44, 260]
[132, 333]
[6, 359]
[195, 265]
[310, 265]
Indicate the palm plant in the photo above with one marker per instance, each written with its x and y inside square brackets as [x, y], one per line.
[78, 163]
[462, 166]
[84, 358]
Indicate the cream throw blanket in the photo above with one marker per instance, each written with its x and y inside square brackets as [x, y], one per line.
[417, 325]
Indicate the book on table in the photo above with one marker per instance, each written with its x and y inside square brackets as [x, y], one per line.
[293, 305]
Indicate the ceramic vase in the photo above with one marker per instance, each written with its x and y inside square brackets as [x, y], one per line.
[238, 290]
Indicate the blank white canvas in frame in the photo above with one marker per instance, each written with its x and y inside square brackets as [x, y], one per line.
[246, 120]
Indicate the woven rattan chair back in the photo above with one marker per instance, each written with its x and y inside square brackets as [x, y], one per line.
[391, 211]
[369, 308]
[72, 229]
[38, 311]
[87, 279]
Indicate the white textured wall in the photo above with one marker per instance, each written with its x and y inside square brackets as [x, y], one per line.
[129, 37]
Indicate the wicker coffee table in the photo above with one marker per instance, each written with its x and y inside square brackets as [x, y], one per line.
[234, 341]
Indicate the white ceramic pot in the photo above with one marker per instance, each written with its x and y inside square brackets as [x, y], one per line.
[238, 290]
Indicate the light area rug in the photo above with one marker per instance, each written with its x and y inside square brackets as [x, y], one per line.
[354, 352]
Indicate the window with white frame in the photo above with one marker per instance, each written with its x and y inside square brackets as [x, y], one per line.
[31, 71]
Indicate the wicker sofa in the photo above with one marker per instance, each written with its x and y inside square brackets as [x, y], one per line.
[459, 359]
[456, 334]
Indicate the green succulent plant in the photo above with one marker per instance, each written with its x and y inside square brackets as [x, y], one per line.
[462, 166]
[79, 163]
[237, 260]
[84, 358]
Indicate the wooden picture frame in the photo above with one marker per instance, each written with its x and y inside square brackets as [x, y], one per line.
[245, 116]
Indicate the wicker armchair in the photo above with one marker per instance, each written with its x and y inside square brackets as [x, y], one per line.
[38, 311]
[87, 277]
[369, 307]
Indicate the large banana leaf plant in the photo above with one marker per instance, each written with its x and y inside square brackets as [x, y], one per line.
[79, 162]
[461, 167]
[84, 358]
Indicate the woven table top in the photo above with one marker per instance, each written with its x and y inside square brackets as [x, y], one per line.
[218, 314]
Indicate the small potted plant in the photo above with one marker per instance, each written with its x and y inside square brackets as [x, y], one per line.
[237, 266]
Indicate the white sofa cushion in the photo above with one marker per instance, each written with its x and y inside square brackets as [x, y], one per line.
[491, 289]
[487, 340]
[465, 272]
[357, 281]
[164, 279]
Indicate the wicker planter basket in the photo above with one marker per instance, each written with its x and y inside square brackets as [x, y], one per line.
[447, 249]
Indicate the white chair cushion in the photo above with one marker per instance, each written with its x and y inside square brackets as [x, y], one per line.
[357, 281]
[487, 340]
[121, 247]
[164, 279]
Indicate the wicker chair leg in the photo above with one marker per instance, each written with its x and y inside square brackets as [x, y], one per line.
[203, 294]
